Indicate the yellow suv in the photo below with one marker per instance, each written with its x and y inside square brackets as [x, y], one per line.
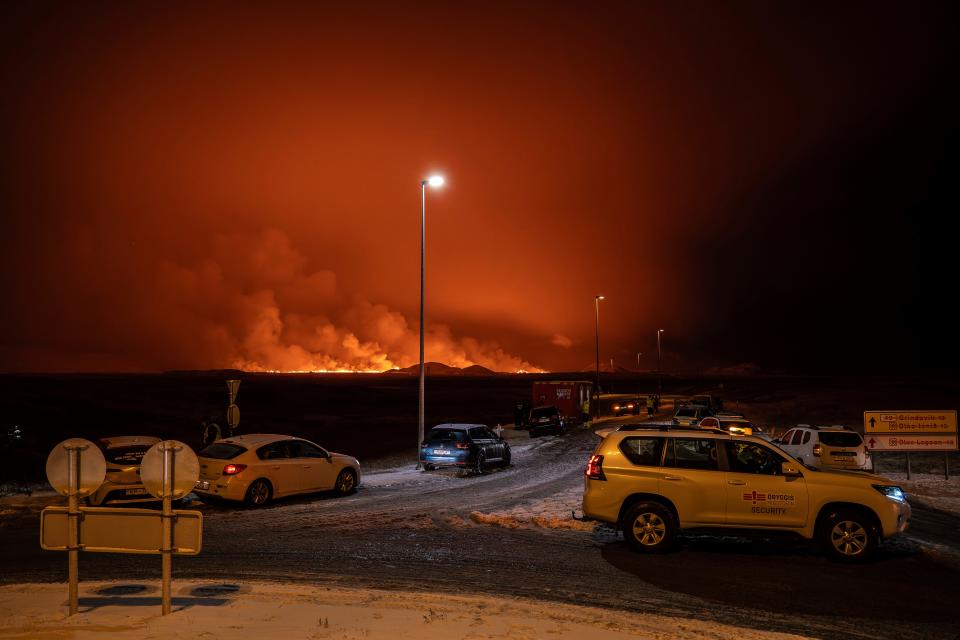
[654, 482]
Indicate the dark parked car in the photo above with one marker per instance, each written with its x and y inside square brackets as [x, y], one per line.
[544, 420]
[626, 407]
[469, 446]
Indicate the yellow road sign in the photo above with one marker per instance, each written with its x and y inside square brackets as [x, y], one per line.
[121, 530]
[910, 442]
[910, 421]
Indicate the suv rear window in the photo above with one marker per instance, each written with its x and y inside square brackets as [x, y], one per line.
[642, 451]
[684, 453]
[840, 438]
[221, 451]
[446, 435]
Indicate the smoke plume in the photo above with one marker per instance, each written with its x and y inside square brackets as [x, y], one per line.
[258, 307]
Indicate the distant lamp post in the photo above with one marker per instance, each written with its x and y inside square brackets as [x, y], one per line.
[433, 181]
[596, 306]
[639, 353]
[659, 368]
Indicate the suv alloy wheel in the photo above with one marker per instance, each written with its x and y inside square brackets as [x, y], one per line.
[649, 527]
[848, 535]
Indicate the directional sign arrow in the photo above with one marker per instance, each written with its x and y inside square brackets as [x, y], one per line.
[871, 441]
[872, 422]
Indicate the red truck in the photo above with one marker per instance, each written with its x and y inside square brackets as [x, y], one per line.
[567, 396]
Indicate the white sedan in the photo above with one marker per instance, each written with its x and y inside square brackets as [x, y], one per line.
[256, 468]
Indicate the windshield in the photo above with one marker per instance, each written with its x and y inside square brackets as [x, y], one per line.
[544, 412]
[446, 435]
[126, 455]
[221, 451]
[840, 438]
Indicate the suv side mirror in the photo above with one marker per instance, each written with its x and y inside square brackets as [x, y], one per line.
[789, 469]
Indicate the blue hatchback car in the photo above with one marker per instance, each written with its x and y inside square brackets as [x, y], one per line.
[469, 446]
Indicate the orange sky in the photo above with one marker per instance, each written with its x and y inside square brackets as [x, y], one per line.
[213, 186]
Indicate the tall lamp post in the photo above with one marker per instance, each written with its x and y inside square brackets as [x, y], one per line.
[659, 368]
[433, 181]
[639, 353]
[596, 306]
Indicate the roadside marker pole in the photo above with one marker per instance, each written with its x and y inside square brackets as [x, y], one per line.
[908, 466]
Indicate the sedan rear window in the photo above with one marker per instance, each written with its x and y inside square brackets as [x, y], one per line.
[686, 413]
[840, 438]
[126, 455]
[221, 451]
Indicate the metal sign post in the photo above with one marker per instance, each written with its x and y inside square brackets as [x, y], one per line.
[75, 468]
[73, 531]
[167, 515]
[233, 411]
[169, 471]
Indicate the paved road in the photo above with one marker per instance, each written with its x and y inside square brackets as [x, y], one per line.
[508, 534]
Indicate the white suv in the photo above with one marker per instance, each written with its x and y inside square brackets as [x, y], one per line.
[826, 447]
[655, 483]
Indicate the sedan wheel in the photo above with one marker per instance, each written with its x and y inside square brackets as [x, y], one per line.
[346, 482]
[259, 493]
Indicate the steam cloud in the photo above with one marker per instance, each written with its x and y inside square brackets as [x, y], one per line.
[255, 305]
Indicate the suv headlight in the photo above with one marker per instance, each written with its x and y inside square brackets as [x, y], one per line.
[894, 493]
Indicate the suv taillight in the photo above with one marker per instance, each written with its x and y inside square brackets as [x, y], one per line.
[595, 468]
[463, 445]
[816, 449]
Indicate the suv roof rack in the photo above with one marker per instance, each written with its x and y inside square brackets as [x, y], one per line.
[667, 426]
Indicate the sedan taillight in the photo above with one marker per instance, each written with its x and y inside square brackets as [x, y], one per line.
[233, 469]
[463, 445]
[595, 468]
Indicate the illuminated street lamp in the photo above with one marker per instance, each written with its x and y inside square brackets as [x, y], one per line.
[433, 181]
[659, 368]
[596, 305]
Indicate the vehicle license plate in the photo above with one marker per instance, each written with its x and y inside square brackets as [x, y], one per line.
[136, 492]
[202, 484]
[441, 452]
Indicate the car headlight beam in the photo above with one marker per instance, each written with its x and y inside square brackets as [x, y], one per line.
[894, 493]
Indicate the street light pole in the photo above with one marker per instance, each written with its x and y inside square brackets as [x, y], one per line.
[596, 305]
[433, 181]
[659, 368]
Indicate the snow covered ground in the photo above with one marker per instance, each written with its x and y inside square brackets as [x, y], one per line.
[269, 610]
[935, 491]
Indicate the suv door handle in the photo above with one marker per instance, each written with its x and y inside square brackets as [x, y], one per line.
[736, 482]
[672, 478]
